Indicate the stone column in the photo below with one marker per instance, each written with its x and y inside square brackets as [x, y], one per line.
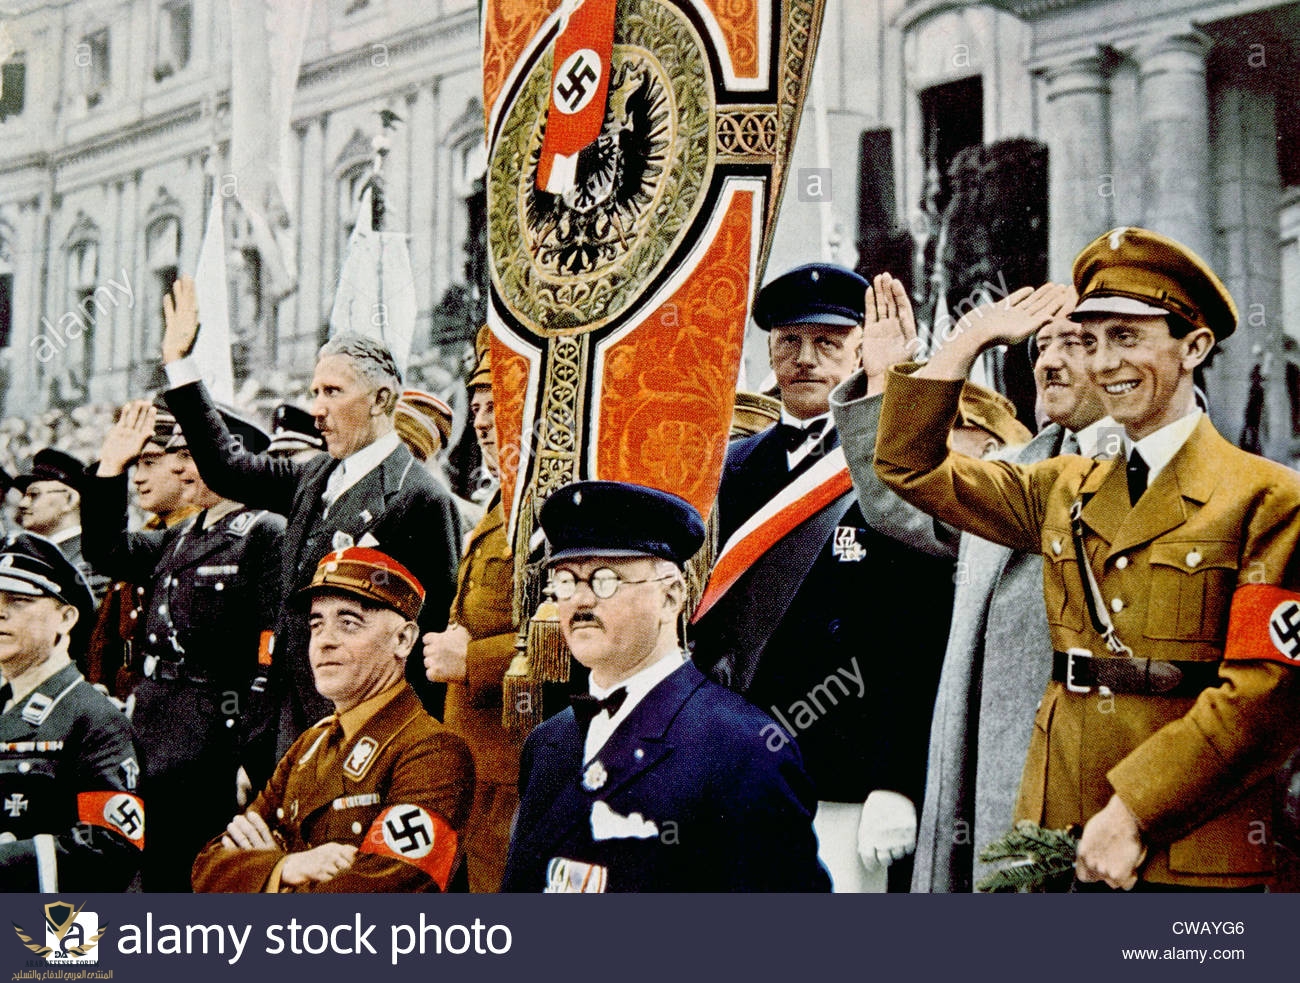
[1079, 158]
[1176, 140]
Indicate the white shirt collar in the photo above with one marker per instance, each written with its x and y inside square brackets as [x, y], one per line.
[1159, 448]
[358, 464]
[795, 457]
[63, 535]
[1089, 436]
[637, 685]
[805, 424]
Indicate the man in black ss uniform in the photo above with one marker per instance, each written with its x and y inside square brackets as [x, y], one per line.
[71, 817]
[211, 594]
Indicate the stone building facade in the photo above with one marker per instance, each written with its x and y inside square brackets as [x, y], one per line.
[115, 132]
[1179, 115]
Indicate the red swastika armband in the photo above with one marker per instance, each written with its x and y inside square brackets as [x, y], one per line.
[415, 836]
[121, 812]
[1264, 624]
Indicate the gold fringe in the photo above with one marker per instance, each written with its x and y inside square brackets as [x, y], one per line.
[548, 653]
[521, 697]
[700, 565]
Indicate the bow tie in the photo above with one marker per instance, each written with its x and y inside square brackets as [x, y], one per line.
[795, 437]
[585, 706]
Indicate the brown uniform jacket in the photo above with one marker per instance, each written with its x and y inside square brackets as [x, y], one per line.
[411, 760]
[1194, 770]
[484, 590]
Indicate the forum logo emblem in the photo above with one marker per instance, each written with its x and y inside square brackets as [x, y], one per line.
[71, 935]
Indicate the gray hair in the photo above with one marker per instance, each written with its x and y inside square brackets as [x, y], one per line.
[369, 358]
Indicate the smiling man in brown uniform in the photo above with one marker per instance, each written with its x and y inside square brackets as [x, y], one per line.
[1168, 576]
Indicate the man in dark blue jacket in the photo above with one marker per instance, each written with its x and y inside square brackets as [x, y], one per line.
[658, 780]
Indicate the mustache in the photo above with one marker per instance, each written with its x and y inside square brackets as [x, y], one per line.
[584, 618]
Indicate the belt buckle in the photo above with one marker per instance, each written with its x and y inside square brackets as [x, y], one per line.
[1070, 684]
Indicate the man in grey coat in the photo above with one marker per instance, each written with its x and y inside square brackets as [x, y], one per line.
[999, 652]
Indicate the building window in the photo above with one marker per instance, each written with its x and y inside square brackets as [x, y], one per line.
[173, 41]
[92, 59]
[83, 274]
[13, 82]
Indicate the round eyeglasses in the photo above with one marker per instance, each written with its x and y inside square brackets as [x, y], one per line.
[603, 582]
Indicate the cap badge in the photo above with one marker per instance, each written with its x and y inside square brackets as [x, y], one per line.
[343, 541]
[594, 777]
[1116, 236]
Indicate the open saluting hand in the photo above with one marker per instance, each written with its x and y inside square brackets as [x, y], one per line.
[126, 438]
[181, 314]
[889, 331]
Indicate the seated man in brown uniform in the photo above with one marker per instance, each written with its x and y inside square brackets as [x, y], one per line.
[374, 797]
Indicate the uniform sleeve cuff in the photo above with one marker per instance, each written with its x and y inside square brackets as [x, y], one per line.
[181, 372]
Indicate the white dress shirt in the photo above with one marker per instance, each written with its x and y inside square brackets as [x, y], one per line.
[637, 685]
[357, 465]
[1089, 437]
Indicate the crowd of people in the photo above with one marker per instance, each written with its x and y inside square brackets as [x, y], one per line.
[924, 623]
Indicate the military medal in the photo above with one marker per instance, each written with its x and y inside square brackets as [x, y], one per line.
[594, 777]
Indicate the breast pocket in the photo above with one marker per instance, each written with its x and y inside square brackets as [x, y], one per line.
[497, 582]
[1191, 589]
[211, 591]
[1062, 585]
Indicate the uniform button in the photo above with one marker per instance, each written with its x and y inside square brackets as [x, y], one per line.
[134, 615]
[219, 586]
[1193, 558]
[24, 766]
[162, 608]
[356, 827]
[153, 637]
[1121, 563]
[469, 584]
[230, 722]
[638, 754]
[279, 813]
[1117, 605]
[1056, 546]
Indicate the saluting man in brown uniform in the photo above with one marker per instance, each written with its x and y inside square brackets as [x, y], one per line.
[472, 656]
[1168, 576]
[375, 796]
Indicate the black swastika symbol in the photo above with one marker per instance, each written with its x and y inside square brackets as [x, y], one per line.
[414, 828]
[579, 74]
[1284, 627]
[127, 817]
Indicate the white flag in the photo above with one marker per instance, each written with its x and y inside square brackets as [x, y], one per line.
[267, 38]
[376, 291]
[212, 347]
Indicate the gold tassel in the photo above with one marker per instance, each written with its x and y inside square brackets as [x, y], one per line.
[548, 653]
[521, 697]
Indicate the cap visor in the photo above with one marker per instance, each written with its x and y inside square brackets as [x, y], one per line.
[1116, 305]
[579, 551]
[830, 318]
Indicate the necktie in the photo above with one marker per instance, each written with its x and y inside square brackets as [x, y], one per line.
[1138, 470]
[1070, 445]
[795, 437]
[6, 694]
[586, 706]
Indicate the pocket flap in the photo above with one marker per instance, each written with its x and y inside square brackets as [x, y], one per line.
[1189, 556]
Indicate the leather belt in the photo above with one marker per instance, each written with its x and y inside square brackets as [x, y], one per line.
[1082, 672]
